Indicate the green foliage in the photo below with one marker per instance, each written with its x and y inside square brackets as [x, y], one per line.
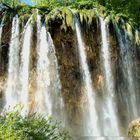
[83, 4]
[47, 4]
[129, 8]
[13, 126]
[11, 3]
[60, 9]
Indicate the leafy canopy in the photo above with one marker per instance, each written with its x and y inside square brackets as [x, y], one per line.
[127, 8]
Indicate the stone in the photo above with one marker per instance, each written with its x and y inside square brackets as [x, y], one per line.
[134, 130]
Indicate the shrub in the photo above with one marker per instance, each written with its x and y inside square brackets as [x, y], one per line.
[13, 126]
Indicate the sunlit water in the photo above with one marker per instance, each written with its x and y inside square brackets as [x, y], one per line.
[43, 78]
[55, 86]
[93, 118]
[111, 128]
[1, 29]
[48, 96]
[25, 67]
[11, 95]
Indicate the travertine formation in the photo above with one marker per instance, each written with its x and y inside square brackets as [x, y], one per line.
[134, 130]
[74, 97]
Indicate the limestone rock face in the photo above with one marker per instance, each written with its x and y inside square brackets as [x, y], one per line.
[134, 130]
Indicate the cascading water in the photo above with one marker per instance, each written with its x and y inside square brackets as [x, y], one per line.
[48, 99]
[54, 65]
[55, 83]
[93, 118]
[43, 79]
[11, 95]
[131, 84]
[24, 67]
[111, 128]
[127, 68]
[1, 27]
[48, 81]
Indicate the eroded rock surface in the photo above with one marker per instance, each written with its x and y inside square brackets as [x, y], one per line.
[134, 130]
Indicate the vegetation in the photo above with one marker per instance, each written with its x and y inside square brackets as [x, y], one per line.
[87, 10]
[127, 8]
[10, 3]
[13, 126]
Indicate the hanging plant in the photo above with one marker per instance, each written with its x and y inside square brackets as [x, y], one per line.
[87, 16]
[68, 20]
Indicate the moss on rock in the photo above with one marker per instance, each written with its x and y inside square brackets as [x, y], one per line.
[134, 130]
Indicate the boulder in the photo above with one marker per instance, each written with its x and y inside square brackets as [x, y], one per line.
[134, 130]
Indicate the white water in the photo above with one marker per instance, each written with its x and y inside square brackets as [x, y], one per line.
[48, 79]
[127, 66]
[111, 128]
[1, 29]
[93, 118]
[55, 87]
[11, 95]
[131, 87]
[43, 78]
[25, 67]
[54, 65]
[55, 83]
[48, 96]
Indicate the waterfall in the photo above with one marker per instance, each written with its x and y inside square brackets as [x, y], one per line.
[111, 128]
[98, 114]
[127, 68]
[11, 95]
[48, 80]
[93, 118]
[1, 29]
[55, 85]
[54, 68]
[130, 77]
[43, 79]
[25, 66]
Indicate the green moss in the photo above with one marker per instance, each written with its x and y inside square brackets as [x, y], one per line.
[68, 20]
[86, 15]
[64, 14]
[53, 15]
[137, 37]
[129, 30]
